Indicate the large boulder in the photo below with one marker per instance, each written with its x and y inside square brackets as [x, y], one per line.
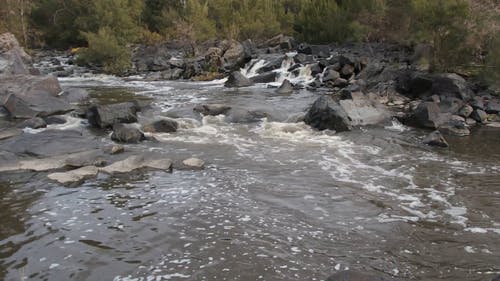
[105, 116]
[362, 111]
[13, 59]
[27, 96]
[127, 133]
[50, 143]
[451, 85]
[325, 114]
[272, 64]
[76, 175]
[237, 55]
[426, 115]
[236, 79]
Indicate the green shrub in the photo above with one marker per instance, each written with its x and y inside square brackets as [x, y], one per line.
[105, 50]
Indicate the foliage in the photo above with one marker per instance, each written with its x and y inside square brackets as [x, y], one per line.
[105, 49]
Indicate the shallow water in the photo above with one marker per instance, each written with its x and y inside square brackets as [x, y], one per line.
[277, 201]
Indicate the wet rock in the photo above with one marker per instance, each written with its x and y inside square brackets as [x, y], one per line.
[74, 175]
[315, 69]
[246, 115]
[127, 133]
[361, 112]
[355, 276]
[26, 96]
[104, 116]
[138, 162]
[477, 103]
[9, 133]
[426, 115]
[451, 85]
[88, 158]
[236, 79]
[194, 163]
[325, 114]
[164, 125]
[273, 64]
[212, 109]
[51, 143]
[266, 77]
[435, 139]
[75, 95]
[117, 149]
[303, 59]
[285, 88]
[479, 115]
[51, 120]
[33, 123]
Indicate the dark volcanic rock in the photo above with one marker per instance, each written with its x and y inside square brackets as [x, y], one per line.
[455, 125]
[164, 125]
[237, 55]
[320, 51]
[236, 79]
[330, 75]
[435, 139]
[272, 65]
[325, 114]
[104, 116]
[151, 58]
[285, 88]
[126, 133]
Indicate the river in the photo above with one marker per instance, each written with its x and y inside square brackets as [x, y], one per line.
[277, 200]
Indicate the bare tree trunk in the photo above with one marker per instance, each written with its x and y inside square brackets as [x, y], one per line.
[23, 21]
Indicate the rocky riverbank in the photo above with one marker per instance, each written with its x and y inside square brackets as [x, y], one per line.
[274, 103]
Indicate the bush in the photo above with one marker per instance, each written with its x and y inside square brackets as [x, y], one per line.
[105, 50]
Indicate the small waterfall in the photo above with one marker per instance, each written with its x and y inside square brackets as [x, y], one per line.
[252, 67]
[301, 75]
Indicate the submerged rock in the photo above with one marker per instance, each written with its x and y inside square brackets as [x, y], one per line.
[435, 139]
[325, 114]
[137, 162]
[164, 125]
[212, 109]
[236, 79]
[285, 88]
[127, 134]
[33, 123]
[193, 163]
[104, 116]
[74, 175]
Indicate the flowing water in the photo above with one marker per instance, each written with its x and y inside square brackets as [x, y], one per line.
[277, 201]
